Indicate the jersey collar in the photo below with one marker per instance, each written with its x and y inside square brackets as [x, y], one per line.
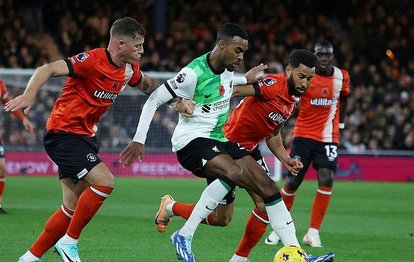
[108, 55]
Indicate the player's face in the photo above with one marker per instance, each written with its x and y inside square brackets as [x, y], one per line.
[325, 58]
[132, 49]
[233, 52]
[298, 79]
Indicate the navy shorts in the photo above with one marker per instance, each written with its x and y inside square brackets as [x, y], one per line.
[190, 157]
[257, 155]
[75, 155]
[320, 154]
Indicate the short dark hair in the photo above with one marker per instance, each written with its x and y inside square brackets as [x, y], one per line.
[302, 56]
[229, 30]
[323, 43]
[127, 26]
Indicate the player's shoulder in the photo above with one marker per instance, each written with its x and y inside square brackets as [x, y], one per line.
[342, 70]
[91, 55]
[274, 79]
[199, 63]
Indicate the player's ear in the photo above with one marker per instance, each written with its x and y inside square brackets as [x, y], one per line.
[288, 71]
[222, 44]
[121, 44]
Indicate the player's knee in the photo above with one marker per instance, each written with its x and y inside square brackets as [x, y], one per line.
[235, 173]
[292, 183]
[103, 179]
[109, 182]
[325, 177]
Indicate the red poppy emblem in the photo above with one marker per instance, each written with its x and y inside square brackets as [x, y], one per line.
[221, 90]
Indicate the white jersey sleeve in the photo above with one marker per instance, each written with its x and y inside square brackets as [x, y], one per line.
[239, 80]
[182, 85]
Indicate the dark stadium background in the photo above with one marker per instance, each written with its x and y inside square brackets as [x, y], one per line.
[372, 39]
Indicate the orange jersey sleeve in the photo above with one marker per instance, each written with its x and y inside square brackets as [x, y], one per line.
[318, 116]
[255, 118]
[4, 95]
[93, 84]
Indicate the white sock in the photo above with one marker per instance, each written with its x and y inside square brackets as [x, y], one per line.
[68, 240]
[28, 256]
[282, 223]
[237, 258]
[208, 201]
[313, 231]
[169, 209]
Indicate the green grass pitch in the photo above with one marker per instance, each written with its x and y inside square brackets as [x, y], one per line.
[365, 222]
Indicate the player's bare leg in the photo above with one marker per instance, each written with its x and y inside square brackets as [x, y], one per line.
[101, 183]
[225, 173]
[257, 181]
[254, 230]
[319, 207]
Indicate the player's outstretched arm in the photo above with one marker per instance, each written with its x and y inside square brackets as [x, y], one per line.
[148, 85]
[244, 86]
[185, 107]
[274, 142]
[135, 149]
[38, 79]
[28, 125]
[132, 152]
[182, 85]
[255, 73]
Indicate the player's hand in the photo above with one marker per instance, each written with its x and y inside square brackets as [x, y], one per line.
[132, 152]
[19, 102]
[28, 125]
[185, 107]
[293, 166]
[253, 74]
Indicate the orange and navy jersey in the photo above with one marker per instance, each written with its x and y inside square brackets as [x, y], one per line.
[4, 96]
[319, 109]
[257, 117]
[92, 86]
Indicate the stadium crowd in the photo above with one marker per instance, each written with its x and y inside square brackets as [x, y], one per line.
[372, 40]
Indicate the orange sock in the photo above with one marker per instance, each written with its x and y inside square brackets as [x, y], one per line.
[88, 204]
[288, 197]
[320, 205]
[255, 228]
[54, 229]
[184, 211]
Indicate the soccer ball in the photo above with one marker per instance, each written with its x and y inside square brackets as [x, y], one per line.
[290, 254]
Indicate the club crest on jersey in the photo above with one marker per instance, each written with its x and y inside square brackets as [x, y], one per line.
[325, 92]
[82, 57]
[91, 157]
[221, 90]
[115, 85]
[269, 81]
[181, 77]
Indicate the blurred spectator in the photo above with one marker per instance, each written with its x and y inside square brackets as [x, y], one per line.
[372, 40]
